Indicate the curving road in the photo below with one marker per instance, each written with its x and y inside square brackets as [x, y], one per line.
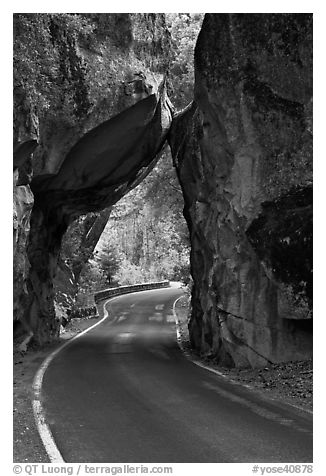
[125, 393]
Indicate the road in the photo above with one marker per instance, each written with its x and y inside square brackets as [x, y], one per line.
[125, 393]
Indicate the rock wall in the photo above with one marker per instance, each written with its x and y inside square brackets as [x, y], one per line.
[78, 83]
[90, 89]
[22, 206]
[243, 153]
[74, 72]
[23, 201]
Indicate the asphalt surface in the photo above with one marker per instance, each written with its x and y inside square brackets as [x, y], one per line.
[125, 393]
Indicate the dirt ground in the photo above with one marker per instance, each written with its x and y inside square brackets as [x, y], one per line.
[290, 382]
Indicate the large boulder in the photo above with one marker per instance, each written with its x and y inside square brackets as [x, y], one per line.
[243, 153]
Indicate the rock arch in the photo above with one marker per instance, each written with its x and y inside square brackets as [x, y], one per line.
[101, 167]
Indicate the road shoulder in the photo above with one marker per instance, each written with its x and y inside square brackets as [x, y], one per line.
[290, 382]
[27, 444]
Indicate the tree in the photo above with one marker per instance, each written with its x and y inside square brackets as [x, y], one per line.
[49, 76]
[184, 29]
[148, 230]
[109, 263]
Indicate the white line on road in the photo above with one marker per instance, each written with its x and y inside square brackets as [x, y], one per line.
[210, 369]
[39, 413]
[187, 354]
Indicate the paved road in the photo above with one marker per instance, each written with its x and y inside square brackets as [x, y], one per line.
[126, 393]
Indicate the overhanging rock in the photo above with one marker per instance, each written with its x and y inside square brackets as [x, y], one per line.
[110, 159]
[102, 166]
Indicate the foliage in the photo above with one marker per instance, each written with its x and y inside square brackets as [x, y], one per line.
[184, 29]
[73, 252]
[109, 264]
[148, 230]
[68, 65]
[91, 280]
[130, 273]
[146, 238]
[48, 73]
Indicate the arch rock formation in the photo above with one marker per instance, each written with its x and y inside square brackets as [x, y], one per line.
[243, 155]
[103, 165]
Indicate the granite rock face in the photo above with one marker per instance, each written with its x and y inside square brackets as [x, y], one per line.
[23, 201]
[97, 172]
[242, 150]
[243, 153]
[90, 89]
[22, 206]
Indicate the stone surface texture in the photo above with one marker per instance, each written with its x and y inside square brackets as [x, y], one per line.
[242, 150]
[98, 134]
[22, 206]
[243, 153]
